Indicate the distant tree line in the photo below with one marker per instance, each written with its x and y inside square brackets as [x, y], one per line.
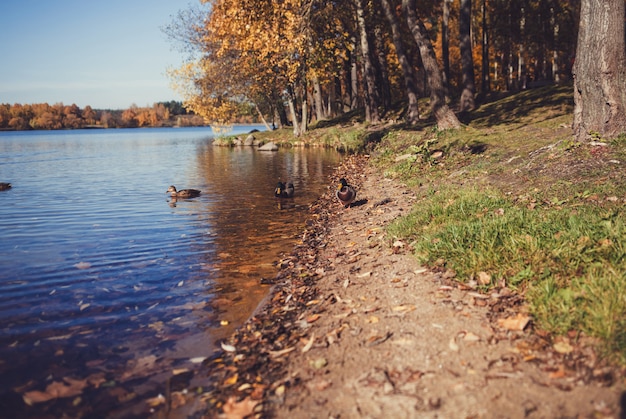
[42, 116]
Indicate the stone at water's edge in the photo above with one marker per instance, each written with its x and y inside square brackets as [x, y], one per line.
[269, 147]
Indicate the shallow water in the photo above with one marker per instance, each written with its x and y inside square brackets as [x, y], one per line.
[100, 267]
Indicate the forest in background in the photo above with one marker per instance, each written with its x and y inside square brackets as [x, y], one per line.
[309, 60]
[42, 116]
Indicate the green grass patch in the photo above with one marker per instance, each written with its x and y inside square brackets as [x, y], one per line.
[572, 260]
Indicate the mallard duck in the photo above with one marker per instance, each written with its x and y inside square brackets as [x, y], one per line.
[283, 191]
[183, 193]
[4, 186]
[345, 193]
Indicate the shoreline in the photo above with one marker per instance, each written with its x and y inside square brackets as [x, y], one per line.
[354, 327]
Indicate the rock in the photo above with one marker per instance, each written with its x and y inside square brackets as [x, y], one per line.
[249, 140]
[270, 146]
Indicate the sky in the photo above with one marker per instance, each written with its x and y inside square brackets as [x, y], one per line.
[107, 54]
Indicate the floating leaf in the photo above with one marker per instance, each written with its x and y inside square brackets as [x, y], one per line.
[83, 265]
[55, 390]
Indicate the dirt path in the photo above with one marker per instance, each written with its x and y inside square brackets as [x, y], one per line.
[356, 328]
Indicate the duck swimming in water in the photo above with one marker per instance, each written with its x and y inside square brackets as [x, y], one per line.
[183, 193]
[284, 191]
[4, 186]
[345, 193]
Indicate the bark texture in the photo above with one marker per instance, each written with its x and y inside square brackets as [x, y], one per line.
[600, 71]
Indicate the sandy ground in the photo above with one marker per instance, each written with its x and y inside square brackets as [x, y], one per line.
[356, 328]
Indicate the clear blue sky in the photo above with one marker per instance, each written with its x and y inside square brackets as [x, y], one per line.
[106, 54]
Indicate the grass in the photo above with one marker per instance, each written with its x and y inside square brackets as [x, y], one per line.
[517, 199]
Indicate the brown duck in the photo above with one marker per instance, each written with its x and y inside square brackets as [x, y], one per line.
[345, 193]
[183, 193]
[284, 191]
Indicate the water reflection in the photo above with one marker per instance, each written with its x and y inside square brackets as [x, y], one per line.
[99, 268]
[251, 227]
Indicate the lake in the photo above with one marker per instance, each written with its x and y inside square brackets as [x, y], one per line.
[100, 270]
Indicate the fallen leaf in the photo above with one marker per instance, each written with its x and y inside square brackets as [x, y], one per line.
[518, 322]
[313, 318]
[453, 345]
[563, 347]
[228, 348]
[276, 354]
[470, 337]
[484, 278]
[156, 401]
[404, 308]
[309, 344]
[232, 380]
[318, 363]
[239, 410]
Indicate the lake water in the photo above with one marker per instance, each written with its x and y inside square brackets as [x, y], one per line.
[100, 268]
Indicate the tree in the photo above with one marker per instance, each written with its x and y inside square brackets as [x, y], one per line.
[467, 61]
[446, 119]
[371, 97]
[600, 70]
[407, 70]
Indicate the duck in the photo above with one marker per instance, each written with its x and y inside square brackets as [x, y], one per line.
[284, 191]
[345, 193]
[183, 193]
[4, 186]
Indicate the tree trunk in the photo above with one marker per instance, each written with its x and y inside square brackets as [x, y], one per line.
[371, 97]
[445, 43]
[466, 102]
[446, 119]
[407, 70]
[320, 111]
[485, 86]
[354, 77]
[294, 115]
[600, 70]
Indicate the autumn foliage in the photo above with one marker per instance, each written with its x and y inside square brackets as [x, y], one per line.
[42, 116]
[301, 61]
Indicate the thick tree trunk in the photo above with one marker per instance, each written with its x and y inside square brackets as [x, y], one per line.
[600, 70]
[371, 96]
[466, 102]
[407, 70]
[446, 119]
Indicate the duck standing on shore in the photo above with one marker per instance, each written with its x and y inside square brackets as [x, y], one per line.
[284, 191]
[4, 186]
[345, 193]
[183, 193]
